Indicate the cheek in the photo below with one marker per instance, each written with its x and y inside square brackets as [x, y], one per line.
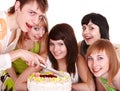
[65, 50]
[82, 33]
[97, 35]
[42, 34]
[51, 49]
[106, 66]
[30, 34]
[89, 65]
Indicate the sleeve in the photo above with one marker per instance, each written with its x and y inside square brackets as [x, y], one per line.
[5, 61]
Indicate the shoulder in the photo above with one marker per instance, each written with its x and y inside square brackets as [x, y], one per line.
[117, 50]
[3, 14]
[116, 46]
[81, 62]
[116, 80]
[79, 44]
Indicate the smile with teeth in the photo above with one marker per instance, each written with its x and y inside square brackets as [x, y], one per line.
[28, 25]
[87, 38]
[96, 70]
[37, 38]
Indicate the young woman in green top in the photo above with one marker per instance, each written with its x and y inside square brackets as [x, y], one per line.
[34, 41]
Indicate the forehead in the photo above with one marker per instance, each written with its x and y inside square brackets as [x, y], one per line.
[90, 24]
[33, 6]
[56, 41]
[98, 52]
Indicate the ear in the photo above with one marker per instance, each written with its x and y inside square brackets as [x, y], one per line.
[17, 5]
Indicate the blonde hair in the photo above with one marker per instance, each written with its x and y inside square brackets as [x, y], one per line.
[43, 23]
[101, 45]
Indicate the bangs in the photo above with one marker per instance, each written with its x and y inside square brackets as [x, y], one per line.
[44, 23]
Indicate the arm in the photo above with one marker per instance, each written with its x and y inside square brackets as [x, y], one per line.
[79, 47]
[117, 49]
[12, 73]
[87, 83]
[21, 82]
[99, 85]
[29, 57]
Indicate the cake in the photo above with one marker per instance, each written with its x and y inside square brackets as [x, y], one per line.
[48, 81]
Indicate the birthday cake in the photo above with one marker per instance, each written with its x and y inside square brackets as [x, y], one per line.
[48, 81]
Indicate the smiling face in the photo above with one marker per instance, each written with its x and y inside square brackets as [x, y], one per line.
[98, 63]
[28, 16]
[90, 33]
[36, 33]
[58, 49]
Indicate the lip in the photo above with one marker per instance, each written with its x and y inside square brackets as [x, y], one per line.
[87, 38]
[95, 70]
[36, 38]
[28, 25]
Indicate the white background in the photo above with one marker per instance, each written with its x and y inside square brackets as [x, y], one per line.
[72, 11]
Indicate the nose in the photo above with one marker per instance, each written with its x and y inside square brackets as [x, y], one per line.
[41, 33]
[55, 48]
[85, 31]
[95, 63]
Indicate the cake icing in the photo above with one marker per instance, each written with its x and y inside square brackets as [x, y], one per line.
[48, 81]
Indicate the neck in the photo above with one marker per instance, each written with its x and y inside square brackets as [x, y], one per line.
[62, 65]
[105, 76]
[12, 23]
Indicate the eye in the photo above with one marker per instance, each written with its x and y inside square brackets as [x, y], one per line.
[83, 28]
[51, 44]
[99, 58]
[36, 28]
[31, 13]
[60, 44]
[89, 58]
[91, 28]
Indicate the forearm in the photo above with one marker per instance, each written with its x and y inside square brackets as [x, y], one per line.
[21, 87]
[12, 73]
[21, 82]
[83, 87]
[15, 54]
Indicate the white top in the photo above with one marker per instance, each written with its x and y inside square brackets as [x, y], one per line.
[5, 47]
[5, 62]
[74, 79]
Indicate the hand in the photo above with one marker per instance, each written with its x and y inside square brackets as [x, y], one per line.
[32, 59]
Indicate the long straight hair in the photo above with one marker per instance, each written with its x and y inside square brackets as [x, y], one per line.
[64, 32]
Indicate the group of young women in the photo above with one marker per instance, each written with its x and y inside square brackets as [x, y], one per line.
[93, 63]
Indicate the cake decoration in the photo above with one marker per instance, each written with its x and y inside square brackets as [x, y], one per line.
[42, 81]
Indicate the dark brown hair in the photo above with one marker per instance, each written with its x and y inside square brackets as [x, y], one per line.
[98, 20]
[64, 32]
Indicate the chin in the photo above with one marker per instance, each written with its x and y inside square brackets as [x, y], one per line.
[97, 75]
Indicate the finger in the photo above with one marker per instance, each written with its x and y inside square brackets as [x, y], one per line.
[36, 62]
[42, 60]
[28, 63]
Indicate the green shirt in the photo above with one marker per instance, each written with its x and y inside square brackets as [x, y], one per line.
[104, 82]
[19, 65]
